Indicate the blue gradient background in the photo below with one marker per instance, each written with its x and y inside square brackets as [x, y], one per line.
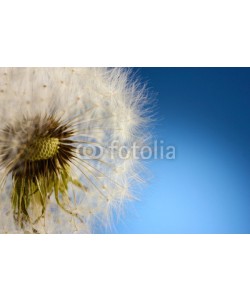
[205, 114]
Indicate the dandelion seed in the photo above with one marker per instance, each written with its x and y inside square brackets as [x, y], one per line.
[47, 115]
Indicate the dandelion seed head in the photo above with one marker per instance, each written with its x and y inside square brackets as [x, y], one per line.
[47, 115]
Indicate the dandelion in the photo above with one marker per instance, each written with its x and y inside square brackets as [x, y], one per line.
[52, 120]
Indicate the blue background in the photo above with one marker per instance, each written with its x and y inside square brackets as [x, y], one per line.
[205, 114]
